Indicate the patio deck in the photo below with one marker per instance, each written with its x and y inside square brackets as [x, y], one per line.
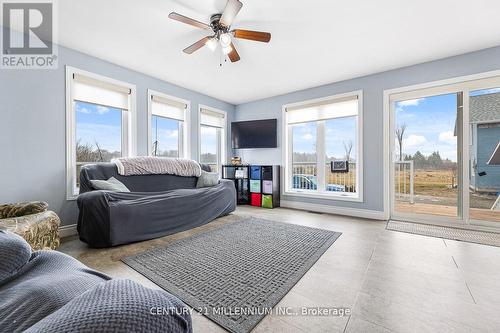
[442, 210]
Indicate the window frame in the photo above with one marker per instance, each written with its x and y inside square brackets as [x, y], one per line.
[287, 153]
[186, 131]
[129, 125]
[222, 137]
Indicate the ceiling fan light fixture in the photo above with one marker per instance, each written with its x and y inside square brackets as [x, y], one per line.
[220, 24]
[211, 44]
[225, 40]
[227, 49]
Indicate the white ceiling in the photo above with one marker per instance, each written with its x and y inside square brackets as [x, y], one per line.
[313, 42]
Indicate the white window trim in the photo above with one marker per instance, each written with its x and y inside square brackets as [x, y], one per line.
[287, 153]
[223, 149]
[129, 137]
[186, 132]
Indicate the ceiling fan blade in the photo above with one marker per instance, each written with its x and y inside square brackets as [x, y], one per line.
[190, 21]
[232, 9]
[252, 35]
[196, 46]
[233, 55]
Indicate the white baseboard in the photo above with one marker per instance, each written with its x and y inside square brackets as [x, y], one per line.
[364, 213]
[67, 230]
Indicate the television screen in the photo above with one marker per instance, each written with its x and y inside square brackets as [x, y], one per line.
[254, 134]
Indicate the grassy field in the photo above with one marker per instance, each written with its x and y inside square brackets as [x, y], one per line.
[436, 183]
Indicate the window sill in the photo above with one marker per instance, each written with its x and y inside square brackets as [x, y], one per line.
[71, 197]
[325, 195]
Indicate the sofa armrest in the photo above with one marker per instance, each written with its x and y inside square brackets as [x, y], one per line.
[94, 217]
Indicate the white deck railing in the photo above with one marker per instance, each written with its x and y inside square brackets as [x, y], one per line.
[404, 171]
[304, 171]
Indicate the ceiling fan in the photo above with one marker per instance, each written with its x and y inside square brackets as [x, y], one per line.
[220, 24]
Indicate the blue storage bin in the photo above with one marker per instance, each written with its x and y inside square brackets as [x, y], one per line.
[255, 172]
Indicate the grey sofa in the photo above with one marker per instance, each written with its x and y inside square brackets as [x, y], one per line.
[157, 205]
[48, 291]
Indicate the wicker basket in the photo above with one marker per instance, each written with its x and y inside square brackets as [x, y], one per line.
[40, 230]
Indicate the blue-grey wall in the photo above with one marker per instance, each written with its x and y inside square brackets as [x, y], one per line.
[33, 130]
[487, 141]
[373, 87]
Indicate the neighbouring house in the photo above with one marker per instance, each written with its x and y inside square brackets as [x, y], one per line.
[484, 138]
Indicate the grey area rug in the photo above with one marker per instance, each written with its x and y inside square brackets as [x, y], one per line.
[464, 235]
[236, 273]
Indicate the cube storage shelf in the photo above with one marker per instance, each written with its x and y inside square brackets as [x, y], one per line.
[256, 185]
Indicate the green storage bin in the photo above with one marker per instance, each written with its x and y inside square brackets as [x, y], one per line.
[267, 201]
[254, 186]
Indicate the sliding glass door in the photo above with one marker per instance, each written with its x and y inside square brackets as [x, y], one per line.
[426, 157]
[443, 145]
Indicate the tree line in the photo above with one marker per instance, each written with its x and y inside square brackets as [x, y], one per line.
[433, 161]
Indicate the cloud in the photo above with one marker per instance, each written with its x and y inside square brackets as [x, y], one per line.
[307, 137]
[410, 102]
[448, 137]
[81, 109]
[102, 109]
[401, 105]
[414, 140]
[168, 133]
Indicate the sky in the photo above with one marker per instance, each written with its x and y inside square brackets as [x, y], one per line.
[485, 91]
[98, 123]
[208, 141]
[430, 123]
[337, 131]
[166, 132]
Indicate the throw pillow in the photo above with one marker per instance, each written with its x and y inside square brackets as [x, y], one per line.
[208, 179]
[112, 184]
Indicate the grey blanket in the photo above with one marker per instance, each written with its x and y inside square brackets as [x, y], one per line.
[147, 165]
[48, 291]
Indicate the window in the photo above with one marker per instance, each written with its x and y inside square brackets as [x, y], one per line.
[99, 116]
[212, 137]
[323, 151]
[168, 126]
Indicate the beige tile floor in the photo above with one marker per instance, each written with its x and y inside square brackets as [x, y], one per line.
[393, 282]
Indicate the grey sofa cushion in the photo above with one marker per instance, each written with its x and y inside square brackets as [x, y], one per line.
[118, 306]
[112, 184]
[207, 179]
[15, 252]
[45, 282]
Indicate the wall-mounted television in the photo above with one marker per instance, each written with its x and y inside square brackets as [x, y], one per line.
[254, 134]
